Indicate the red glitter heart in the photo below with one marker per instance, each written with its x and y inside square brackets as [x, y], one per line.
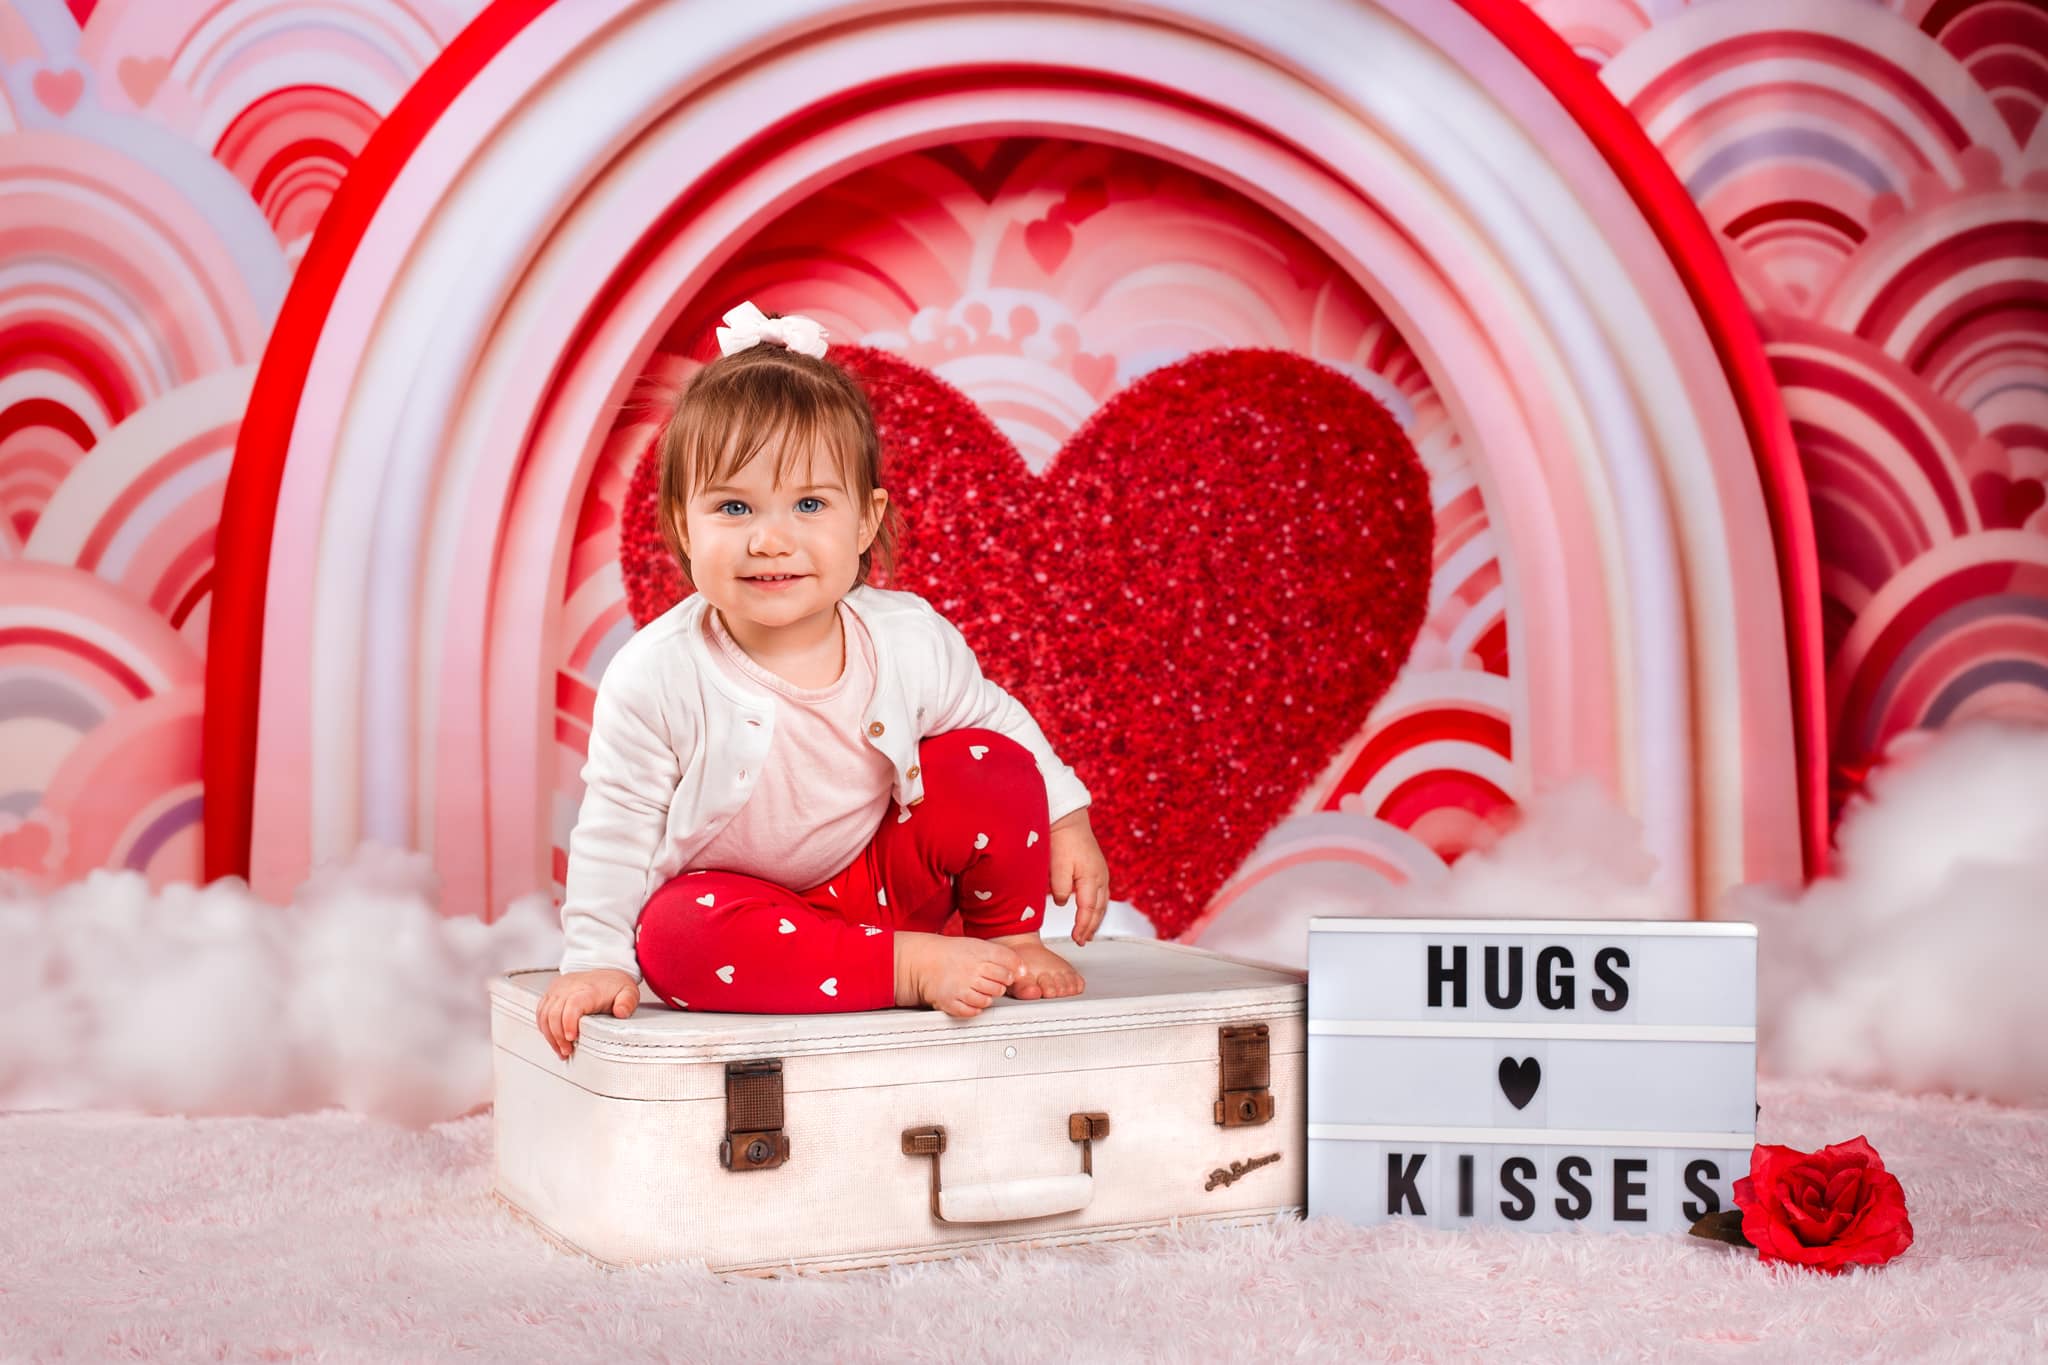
[1199, 601]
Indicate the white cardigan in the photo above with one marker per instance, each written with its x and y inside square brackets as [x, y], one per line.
[676, 744]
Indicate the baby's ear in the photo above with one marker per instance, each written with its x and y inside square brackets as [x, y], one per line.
[871, 524]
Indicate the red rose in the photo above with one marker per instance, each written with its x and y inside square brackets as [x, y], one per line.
[1827, 1210]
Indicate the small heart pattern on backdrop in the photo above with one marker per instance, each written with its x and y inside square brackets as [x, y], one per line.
[1199, 601]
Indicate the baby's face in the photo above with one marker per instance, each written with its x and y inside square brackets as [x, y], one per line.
[774, 555]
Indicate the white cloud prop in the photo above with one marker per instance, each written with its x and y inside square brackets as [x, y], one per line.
[1917, 963]
[1571, 853]
[359, 994]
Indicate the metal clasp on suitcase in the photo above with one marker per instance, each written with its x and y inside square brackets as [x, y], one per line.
[1246, 1100]
[1009, 1200]
[753, 1117]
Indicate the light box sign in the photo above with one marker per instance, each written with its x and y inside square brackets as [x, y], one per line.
[1529, 1073]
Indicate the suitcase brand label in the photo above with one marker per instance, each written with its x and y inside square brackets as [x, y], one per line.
[1238, 1169]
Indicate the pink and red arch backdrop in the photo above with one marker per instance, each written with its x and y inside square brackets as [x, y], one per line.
[425, 439]
[1871, 177]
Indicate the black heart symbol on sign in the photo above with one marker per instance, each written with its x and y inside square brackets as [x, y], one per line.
[1518, 1080]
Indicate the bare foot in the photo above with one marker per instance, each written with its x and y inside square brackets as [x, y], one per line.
[1042, 973]
[957, 975]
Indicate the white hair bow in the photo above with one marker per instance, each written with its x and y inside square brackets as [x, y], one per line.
[747, 325]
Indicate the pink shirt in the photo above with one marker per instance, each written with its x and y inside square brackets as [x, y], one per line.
[823, 789]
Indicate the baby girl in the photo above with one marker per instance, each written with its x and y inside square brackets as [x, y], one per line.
[796, 778]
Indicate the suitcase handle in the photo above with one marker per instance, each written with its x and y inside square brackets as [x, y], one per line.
[1006, 1201]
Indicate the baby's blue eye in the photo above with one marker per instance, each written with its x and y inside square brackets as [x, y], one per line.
[818, 507]
[733, 502]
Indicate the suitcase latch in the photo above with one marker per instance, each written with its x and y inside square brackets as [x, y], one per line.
[1247, 1054]
[753, 1117]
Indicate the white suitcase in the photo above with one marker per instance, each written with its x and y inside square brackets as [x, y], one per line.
[1171, 1090]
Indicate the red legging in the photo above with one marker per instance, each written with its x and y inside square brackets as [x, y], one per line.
[977, 842]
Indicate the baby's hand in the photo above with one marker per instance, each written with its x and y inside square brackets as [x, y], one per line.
[1079, 870]
[575, 994]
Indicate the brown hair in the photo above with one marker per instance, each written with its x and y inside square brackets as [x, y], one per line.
[770, 396]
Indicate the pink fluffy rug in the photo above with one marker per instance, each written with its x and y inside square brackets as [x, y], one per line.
[336, 1238]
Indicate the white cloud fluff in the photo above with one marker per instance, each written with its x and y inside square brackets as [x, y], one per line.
[207, 1000]
[358, 995]
[1570, 853]
[1917, 962]
[1915, 965]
